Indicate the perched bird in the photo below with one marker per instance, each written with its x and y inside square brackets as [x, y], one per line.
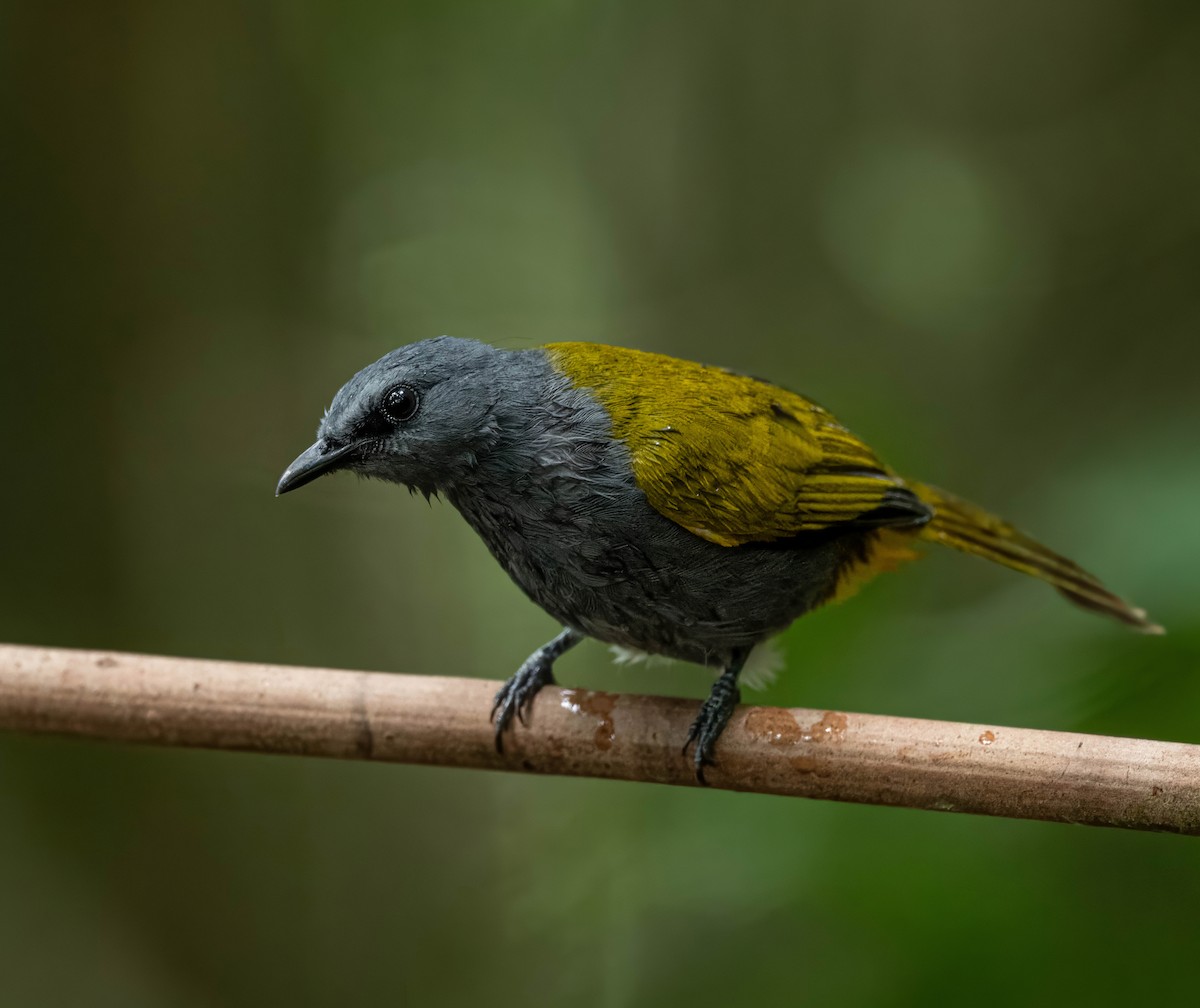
[652, 503]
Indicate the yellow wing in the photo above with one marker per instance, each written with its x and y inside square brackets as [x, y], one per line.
[734, 459]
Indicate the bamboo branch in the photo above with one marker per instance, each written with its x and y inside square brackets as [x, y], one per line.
[1016, 772]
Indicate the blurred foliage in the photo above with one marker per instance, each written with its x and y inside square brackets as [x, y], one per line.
[973, 230]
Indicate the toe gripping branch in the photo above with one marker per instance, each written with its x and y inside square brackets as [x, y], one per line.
[515, 699]
[714, 716]
[516, 695]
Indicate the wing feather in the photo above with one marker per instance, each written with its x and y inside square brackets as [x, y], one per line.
[734, 459]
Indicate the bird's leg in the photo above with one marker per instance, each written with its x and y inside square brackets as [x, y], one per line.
[516, 695]
[715, 713]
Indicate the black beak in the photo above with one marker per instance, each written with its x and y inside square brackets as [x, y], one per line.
[314, 461]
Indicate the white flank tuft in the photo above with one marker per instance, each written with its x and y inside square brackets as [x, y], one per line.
[632, 656]
[762, 666]
[760, 670]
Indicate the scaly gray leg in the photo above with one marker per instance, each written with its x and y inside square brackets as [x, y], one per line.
[516, 695]
[715, 713]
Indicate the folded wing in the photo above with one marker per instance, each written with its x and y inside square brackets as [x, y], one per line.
[734, 459]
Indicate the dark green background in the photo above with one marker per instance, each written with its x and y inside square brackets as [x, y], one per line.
[971, 229]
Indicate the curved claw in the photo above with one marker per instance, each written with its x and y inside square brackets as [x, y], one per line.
[703, 734]
[517, 694]
[523, 710]
[711, 720]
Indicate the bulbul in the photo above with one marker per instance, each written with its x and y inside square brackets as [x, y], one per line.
[667, 507]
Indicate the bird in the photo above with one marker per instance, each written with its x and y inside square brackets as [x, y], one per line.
[662, 506]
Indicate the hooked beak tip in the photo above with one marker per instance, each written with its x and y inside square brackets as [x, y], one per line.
[314, 461]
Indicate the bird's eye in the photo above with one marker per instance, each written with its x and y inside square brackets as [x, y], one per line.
[399, 404]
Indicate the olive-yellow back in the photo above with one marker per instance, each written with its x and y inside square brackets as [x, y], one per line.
[731, 458]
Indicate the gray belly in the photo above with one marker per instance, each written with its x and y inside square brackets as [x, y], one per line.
[618, 571]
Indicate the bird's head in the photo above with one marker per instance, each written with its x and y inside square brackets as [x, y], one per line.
[420, 416]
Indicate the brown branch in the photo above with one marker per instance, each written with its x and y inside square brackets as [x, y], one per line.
[1016, 772]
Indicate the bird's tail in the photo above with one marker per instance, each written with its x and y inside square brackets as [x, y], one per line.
[966, 527]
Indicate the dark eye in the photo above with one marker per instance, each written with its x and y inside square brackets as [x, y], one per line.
[400, 404]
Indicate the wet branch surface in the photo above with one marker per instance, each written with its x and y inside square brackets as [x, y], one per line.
[985, 769]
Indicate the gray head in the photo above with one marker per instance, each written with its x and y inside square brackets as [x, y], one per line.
[420, 416]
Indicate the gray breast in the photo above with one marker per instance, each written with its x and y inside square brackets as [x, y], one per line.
[556, 503]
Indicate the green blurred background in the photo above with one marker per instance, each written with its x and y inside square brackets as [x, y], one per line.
[971, 229]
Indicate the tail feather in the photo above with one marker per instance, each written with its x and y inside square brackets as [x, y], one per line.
[965, 527]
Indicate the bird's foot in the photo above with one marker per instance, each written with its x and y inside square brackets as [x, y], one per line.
[711, 721]
[516, 696]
